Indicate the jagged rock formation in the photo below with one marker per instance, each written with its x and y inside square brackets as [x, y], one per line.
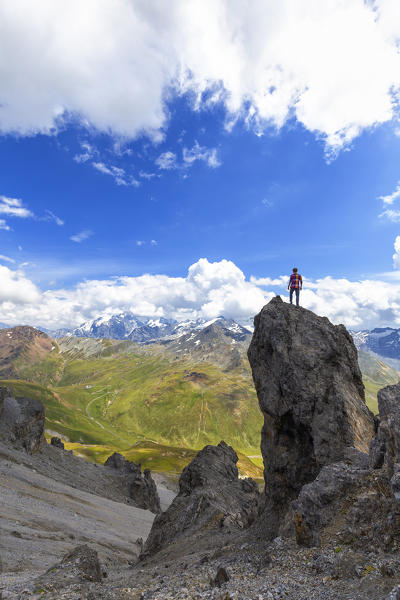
[140, 487]
[21, 421]
[81, 564]
[310, 391]
[210, 496]
[385, 448]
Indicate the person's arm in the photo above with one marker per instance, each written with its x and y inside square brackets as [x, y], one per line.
[301, 282]
[290, 279]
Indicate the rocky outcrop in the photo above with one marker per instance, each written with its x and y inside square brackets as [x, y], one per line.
[210, 496]
[56, 441]
[21, 421]
[385, 447]
[311, 394]
[140, 487]
[80, 565]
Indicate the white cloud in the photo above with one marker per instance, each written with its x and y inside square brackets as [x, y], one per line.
[12, 207]
[396, 255]
[6, 258]
[153, 243]
[208, 290]
[147, 176]
[391, 214]
[88, 152]
[52, 217]
[3, 225]
[334, 65]
[119, 175]
[166, 160]
[267, 203]
[391, 197]
[140, 242]
[16, 290]
[81, 236]
[197, 152]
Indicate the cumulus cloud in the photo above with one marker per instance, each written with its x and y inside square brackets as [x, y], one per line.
[16, 290]
[208, 290]
[333, 65]
[81, 236]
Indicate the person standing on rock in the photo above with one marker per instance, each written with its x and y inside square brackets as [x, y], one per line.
[295, 285]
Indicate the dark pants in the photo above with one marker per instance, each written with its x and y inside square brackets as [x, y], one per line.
[297, 292]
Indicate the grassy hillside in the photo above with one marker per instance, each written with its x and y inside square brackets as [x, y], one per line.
[376, 375]
[103, 396]
[116, 396]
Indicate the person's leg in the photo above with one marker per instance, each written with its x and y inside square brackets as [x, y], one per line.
[297, 297]
[291, 295]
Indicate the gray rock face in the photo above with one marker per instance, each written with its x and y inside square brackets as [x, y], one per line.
[21, 421]
[81, 564]
[319, 502]
[385, 448]
[210, 496]
[140, 487]
[311, 393]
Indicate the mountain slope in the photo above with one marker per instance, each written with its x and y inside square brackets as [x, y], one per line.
[26, 352]
[177, 393]
[376, 375]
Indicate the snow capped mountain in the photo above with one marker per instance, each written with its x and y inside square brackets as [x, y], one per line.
[127, 326]
[220, 341]
[384, 342]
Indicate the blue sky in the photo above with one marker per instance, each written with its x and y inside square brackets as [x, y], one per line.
[271, 202]
[117, 175]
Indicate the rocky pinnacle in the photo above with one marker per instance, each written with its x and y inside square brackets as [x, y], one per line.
[310, 391]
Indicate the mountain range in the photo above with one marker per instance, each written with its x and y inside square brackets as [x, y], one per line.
[128, 326]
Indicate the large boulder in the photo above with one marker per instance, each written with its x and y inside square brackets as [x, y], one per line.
[22, 422]
[211, 495]
[311, 394]
[77, 566]
[140, 487]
